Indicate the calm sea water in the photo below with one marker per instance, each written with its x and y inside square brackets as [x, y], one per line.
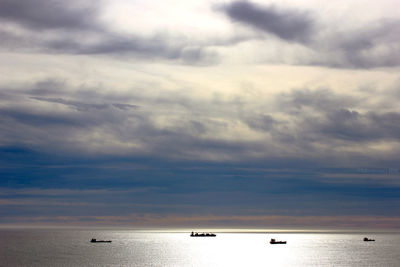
[41, 247]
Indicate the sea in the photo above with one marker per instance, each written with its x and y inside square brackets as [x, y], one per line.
[72, 247]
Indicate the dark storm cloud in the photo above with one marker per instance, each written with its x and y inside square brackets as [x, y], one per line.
[53, 14]
[290, 25]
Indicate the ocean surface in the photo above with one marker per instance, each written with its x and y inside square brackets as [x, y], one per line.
[67, 247]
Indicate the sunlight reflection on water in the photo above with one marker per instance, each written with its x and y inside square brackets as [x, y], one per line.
[130, 248]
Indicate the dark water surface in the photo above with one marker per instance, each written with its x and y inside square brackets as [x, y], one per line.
[51, 247]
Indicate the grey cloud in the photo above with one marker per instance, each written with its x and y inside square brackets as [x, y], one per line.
[76, 104]
[181, 127]
[92, 118]
[320, 99]
[47, 87]
[324, 114]
[43, 89]
[27, 117]
[371, 45]
[344, 124]
[161, 46]
[23, 118]
[44, 14]
[389, 122]
[261, 122]
[27, 123]
[125, 106]
[13, 41]
[198, 55]
[375, 44]
[360, 127]
[290, 25]
[111, 43]
[77, 29]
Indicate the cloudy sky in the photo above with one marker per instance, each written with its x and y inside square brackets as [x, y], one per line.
[208, 113]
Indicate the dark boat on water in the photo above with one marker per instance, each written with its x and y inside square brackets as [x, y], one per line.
[367, 239]
[273, 241]
[193, 234]
[94, 240]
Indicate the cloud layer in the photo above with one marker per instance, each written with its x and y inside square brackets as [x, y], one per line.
[289, 25]
[96, 141]
[48, 15]
[233, 113]
[303, 119]
[374, 44]
[74, 28]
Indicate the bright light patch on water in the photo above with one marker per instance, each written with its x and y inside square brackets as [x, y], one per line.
[131, 248]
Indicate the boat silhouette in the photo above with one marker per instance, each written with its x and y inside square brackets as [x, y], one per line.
[94, 240]
[367, 239]
[273, 241]
[193, 234]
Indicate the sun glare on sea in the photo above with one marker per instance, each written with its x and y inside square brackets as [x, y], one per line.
[231, 249]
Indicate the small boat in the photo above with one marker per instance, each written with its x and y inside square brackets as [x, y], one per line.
[273, 241]
[193, 234]
[94, 240]
[367, 239]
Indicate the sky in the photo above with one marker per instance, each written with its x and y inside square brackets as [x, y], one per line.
[229, 114]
